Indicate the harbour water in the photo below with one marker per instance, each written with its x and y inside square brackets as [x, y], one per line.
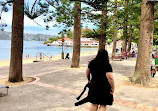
[33, 48]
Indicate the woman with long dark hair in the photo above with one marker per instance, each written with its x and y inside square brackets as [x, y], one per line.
[101, 83]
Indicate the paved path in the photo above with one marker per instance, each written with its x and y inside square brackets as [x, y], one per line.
[57, 85]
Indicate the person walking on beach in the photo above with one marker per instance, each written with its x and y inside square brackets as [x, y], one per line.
[67, 56]
[101, 88]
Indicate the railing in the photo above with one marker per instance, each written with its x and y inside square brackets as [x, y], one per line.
[46, 56]
[42, 56]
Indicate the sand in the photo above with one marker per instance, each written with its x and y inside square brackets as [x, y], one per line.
[25, 80]
[58, 57]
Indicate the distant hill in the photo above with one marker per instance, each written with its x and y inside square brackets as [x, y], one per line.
[5, 35]
[27, 37]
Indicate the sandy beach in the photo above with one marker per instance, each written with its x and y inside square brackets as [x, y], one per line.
[57, 57]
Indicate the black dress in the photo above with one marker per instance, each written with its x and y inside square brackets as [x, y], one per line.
[99, 91]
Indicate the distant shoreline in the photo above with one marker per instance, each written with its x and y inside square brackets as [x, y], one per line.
[25, 40]
[4, 35]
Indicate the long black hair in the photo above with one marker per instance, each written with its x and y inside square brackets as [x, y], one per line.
[102, 57]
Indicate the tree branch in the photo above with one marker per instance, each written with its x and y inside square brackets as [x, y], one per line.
[3, 5]
[33, 6]
[10, 1]
[51, 3]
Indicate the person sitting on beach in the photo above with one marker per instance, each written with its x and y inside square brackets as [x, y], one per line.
[67, 56]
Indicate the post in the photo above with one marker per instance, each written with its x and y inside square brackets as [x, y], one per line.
[40, 55]
[36, 56]
[62, 54]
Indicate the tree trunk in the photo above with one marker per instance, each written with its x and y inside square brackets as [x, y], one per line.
[115, 33]
[77, 34]
[124, 45]
[130, 39]
[124, 41]
[102, 39]
[131, 34]
[142, 73]
[15, 70]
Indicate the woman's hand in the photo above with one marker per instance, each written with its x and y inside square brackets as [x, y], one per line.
[112, 91]
[110, 78]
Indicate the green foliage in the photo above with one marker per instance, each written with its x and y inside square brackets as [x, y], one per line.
[156, 12]
[87, 33]
[132, 12]
[136, 34]
[96, 4]
[63, 13]
[69, 34]
[60, 11]
[52, 39]
[109, 40]
[89, 15]
[35, 11]
[155, 42]
[47, 42]
[96, 34]
[4, 8]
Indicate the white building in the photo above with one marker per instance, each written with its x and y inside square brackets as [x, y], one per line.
[86, 39]
[69, 42]
[55, 43]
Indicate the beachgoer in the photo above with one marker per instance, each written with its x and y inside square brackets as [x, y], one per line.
[125, 55]
[133, 53]
[67, 56]
[121, 49]
[117, 50]
[153, 55]
[102, 82]
[132, 48]
[153, 69]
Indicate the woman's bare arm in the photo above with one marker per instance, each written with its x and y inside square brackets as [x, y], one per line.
[88, 74]
[110, 78]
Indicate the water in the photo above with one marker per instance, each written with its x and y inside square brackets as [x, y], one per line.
[33, 48]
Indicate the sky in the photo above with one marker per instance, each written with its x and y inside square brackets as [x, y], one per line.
[32, 27]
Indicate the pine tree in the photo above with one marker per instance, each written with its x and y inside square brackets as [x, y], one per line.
[15, 70]
[142, 69]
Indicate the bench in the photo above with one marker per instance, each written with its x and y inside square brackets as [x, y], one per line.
[4, 86]
[118, 56]
[124, 56]
[130, 55]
